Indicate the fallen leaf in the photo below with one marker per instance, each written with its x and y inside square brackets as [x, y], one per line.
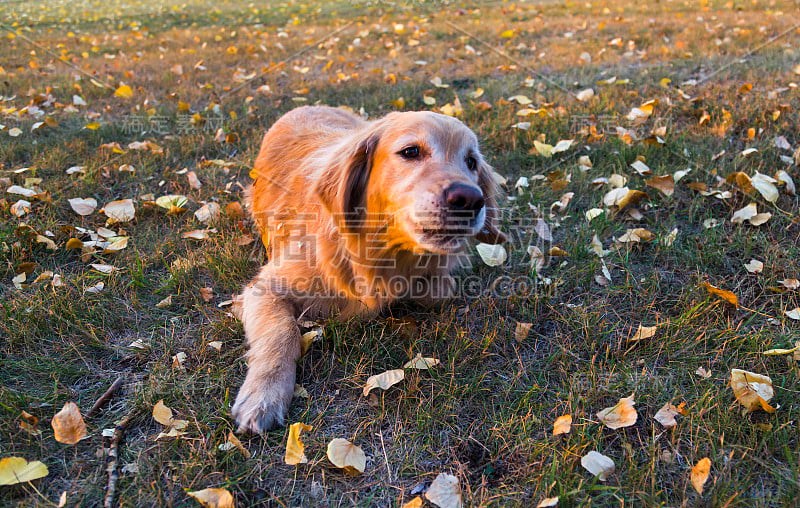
[68, 424]
[766, 186]
[722, 293]
[384, 380]
[644, 332]
[83, 206]
[702, 372]
[776, 352]
[547, 502]
[752, 390]
[295, 449]
[598, 464]
[345, 455]
[213, 498]
[120, 211]
[420, 363]
[15, 470]
[754, 266]
[492, 255]
[29, 424]
[207, 213]
[124, 91]
[664, 184]
[163, 415]
[562, 425]
[666, 415]
[196, 234]
[521, 331]
[445, 492]
[699, 474]
[620, 415]
[793, 314]
[417, 502]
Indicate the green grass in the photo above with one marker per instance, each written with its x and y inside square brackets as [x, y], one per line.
[486, 413]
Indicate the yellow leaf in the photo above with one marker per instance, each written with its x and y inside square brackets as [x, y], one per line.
[543, 149]
[752, 390]
[384, 380]
[772, 352]
[92, 126]
[722, 293]
[344, 454]
[507, 34]
[644, 332]
[124, 91]
[295, 449]
[214, 498]
[562, 425]
[417, 502]
[699, 474]
[621, 415]
[68, 424]
[17, 470]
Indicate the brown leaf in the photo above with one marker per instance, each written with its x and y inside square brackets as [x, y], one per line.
[665, 184]
[68, 424]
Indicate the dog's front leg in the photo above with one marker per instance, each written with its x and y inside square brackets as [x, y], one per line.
[273, 338]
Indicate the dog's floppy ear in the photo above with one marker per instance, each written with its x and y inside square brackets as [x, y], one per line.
[342, 187]
[490, 233]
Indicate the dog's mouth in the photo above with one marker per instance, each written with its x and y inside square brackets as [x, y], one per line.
[449, 233]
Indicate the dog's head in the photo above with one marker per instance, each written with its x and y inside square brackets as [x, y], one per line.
[421, 176]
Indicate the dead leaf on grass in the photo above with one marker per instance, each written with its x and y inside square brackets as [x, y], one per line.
[68, 424]
[384, 380]
[445, 492]
[213, 498]
[295, 449]
[620, 415]
[347, 456]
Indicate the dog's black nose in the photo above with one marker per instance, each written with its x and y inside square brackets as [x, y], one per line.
[463, 197]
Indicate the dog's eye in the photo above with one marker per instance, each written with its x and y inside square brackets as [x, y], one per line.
[410, 152]
[472, 164]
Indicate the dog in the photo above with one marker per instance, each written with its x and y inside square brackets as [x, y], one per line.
[354, 215]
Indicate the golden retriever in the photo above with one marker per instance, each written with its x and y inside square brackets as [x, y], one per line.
[354, 215]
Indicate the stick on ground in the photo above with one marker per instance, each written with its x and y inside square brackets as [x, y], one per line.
[103, 400]
[113, 454]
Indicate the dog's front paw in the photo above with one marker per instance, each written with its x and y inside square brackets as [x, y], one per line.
[262, 404]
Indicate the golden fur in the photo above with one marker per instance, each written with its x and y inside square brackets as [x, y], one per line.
[350, 224]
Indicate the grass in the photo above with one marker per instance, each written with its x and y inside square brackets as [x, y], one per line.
[486, 413]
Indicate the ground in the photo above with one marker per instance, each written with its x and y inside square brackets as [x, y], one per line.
[207, 79]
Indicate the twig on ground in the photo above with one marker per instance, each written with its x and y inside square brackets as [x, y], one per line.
[113, 454]
[103, 400]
